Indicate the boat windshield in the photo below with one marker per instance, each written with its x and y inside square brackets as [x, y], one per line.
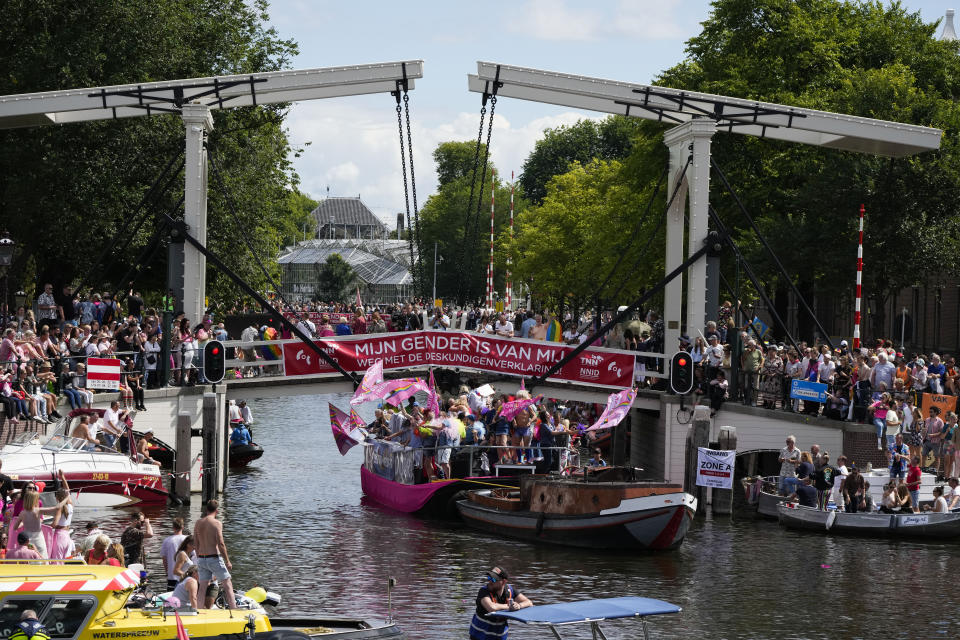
[25, 438]
[63, 443]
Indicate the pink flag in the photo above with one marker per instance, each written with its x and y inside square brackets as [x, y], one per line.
[523, 387]
[358, 424]
[359, 301]
[509, 410]
[432, 403]
[342, 428]
[371, 378]
[618, 404]
[181, 631]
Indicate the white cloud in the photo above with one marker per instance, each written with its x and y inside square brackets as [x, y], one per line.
[355, 150]
[554, 20]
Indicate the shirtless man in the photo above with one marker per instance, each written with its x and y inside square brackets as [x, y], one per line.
[143, 448]
[212, 558]
[82, 431]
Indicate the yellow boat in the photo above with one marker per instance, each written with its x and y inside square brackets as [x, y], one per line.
[76, 601]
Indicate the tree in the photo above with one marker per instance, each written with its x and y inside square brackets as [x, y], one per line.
[859, 58]
[69, 189]
[451, 219]
[338, 278]
[583, 142]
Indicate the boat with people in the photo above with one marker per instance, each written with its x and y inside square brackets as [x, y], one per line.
[243, 454]
[556, 618]
[98, 476]
[762, 492]
[607, 509]
[75, 601]
[924, 524]
[388, 476]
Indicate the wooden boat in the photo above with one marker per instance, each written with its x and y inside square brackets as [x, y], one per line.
[557, 617]
[902, 525]
[95, 602]
[606, 510]
[762, 492]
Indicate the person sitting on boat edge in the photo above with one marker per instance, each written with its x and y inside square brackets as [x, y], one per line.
[185, 593]
[30, 628]
[143, 448]
[939, 502]
[953, 496]
[25, 549]
[495, 596]
[805, 494]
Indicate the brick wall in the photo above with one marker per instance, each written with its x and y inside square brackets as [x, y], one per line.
[9, 431]
[860, 446]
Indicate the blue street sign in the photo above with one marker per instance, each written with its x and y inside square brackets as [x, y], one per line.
[806, 390]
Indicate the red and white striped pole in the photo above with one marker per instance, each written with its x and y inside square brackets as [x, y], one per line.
[856, 309]
[493, 184]
[509, 261]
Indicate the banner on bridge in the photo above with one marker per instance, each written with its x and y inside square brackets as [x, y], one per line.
[462, 349]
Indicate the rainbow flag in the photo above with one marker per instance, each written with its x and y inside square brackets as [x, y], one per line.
[344, 432]
[554, 331]
[618, 405]
[371, 378]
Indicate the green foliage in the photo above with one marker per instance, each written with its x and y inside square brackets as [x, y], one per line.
[860, 58]
[583, 142]
[337, 278]
[67, 190]
[462, 267]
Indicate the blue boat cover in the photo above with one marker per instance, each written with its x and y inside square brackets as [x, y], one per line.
[588, 610]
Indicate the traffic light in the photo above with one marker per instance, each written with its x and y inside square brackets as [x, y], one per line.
[681, 373]
[214, 361]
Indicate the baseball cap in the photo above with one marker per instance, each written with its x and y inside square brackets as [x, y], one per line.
[843, 343]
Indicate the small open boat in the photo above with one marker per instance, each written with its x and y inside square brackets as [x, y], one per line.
[762, 491]
[609, 510]
[557, 617]
[902, 525]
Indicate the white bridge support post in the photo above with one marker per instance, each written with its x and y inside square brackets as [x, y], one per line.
[197, 121]
[689, 139]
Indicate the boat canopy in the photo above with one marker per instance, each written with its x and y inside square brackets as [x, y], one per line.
[591, 610]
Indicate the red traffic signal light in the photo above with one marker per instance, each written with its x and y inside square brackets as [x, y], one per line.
[214, 362]
[681, 373]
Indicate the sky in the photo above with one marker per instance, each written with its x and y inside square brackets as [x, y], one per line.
[350, 145]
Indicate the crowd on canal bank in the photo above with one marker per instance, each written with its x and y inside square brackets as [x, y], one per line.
[813, 480]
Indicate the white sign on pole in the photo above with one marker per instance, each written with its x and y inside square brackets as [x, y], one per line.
[715, 468]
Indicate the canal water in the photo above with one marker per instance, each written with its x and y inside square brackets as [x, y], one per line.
[297, 523]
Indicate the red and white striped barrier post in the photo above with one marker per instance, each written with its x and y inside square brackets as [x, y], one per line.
[856, 308]
[509, 286]
[493, 184]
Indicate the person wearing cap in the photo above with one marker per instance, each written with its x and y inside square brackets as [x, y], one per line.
[187, 589]
[143, 448]
[495, 595]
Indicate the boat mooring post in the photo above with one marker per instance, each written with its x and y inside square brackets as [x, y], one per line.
[698, 436]
[181, 485]
[723, 498]
[211, 458]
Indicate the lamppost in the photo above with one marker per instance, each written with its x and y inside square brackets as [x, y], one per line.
[903, 328]
[7, 246]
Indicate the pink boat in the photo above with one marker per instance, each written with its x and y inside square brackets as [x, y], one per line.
[387, 477]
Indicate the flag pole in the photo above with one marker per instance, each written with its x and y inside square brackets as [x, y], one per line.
[509, 287]
[856, 309]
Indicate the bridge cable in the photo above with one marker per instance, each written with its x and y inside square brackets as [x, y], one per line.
[98, 268]
[770, 251]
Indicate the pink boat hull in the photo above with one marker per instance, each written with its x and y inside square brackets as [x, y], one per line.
[406, 498]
